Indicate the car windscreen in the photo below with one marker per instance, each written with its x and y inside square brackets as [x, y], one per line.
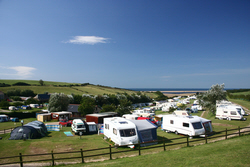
[197, 125]
[127, 132]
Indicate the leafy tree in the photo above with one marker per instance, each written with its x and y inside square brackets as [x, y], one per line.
[58, 102]
[209, 98]
[41, 82]
[21, 84]
[125, 107]
[101, 100]
[160, 96]
[87, 105]
[4, 104]
[108, 108]
[16, 98]
[27, 93]
[77, 99]
[31, 101]
[16, 104]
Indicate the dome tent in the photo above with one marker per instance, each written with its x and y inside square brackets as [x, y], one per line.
[31, 130]
[19, 132]
[39, 126]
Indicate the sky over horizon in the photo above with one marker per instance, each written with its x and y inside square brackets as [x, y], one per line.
[127, 44]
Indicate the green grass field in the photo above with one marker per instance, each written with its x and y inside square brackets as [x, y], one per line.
[231, 152]
[77, 90]
[59, 142]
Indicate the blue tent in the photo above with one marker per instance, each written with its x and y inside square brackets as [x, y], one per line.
[147, 131]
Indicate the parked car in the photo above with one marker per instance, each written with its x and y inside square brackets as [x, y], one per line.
[65, 122]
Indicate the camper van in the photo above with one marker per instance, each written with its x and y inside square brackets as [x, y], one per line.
[229, 112]
[121, 131]
[78, 126]
[187, 125]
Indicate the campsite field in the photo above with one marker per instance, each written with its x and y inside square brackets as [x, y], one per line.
[59, 142]
[231, 152]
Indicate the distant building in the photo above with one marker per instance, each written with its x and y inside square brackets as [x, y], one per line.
[42, 97]
[74, 109]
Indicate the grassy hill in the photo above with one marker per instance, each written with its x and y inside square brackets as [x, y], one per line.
[66, 88]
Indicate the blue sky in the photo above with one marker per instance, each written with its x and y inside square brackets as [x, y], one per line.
[127, 44]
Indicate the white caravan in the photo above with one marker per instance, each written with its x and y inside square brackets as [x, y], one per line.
[147, 112]
[130, 116]
[121, 131]
[229, 112]
[78, 126]
[4, 118]
[196, 107]
[181, 112]
[187, 125]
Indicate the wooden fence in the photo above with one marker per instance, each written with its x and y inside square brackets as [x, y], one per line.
[138, 148]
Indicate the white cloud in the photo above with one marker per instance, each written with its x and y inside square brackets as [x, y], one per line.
[21, 72]
[88, 40]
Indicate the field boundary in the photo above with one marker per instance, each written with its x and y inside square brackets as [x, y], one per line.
[111, 150]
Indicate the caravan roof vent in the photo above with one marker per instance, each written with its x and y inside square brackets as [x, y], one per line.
[123, 122]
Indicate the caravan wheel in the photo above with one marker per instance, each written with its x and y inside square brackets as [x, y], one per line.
[176, 132]
[228, 118]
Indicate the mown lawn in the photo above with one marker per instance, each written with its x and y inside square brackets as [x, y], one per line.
[231, 152]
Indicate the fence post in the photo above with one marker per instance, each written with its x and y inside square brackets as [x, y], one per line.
[82, 156]
[21, 159]
[206, 138]
[226, 134]
[110, 153]
[139, 148]
[53, 161]
[187, 141]
[164, 144]
[239, 131]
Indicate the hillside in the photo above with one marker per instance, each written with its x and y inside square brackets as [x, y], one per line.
[66, 88]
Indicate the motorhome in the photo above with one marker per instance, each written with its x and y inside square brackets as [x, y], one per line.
[78, 126]
[229, 112]
[121, 131]
[187, 125]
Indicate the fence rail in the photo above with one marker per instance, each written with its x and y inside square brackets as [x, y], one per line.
[161, 143]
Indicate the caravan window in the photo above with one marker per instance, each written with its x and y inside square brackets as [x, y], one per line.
[114, 131]
[225, 111]
[171, 121]
[127, 132]
[238, 110]
[80, 126]
[197, 125]
[106, 126]
[233, 113]
[185, 124]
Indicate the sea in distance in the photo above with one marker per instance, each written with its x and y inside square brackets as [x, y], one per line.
[171, 90]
